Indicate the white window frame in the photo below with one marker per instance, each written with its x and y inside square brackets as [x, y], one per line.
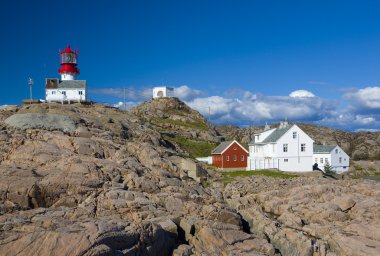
[303, 147]
[227, 158]
[294, 135]
[285, 147]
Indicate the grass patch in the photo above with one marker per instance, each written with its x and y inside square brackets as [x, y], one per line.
[199, 126]
[194, 148]
[231, 176]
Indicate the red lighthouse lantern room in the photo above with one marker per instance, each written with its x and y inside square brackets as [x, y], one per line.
[68, 60]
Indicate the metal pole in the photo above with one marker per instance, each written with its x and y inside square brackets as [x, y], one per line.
[125, 105]
[30, 82]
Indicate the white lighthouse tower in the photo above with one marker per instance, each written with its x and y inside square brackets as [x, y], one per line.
[68, 89]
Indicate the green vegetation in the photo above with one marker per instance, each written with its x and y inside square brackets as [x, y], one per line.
[358, 167]
[200, 125]
[360, 171]
[194, 148]
[176, 111]
[231, 176]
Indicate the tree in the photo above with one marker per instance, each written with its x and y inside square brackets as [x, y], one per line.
[327, 167]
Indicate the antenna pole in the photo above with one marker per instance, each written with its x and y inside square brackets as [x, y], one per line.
[30, 82]
[125, 105]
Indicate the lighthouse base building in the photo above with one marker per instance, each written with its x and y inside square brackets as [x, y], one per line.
[65, 91]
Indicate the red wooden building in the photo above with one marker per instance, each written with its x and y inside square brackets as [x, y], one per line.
[230, 154]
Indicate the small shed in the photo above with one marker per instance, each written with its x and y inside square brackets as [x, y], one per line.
[230, 154]
[163, 92]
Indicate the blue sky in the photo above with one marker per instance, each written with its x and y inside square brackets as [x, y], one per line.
[242, 58]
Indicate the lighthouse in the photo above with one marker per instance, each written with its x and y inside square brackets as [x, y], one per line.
[68, 59]
[67, 89]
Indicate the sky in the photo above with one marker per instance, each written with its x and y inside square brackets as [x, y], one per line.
[237, 62]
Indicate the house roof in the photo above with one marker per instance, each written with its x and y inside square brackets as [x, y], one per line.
[321, 149]
[72, 84]
[53, 83]
[276, 134]
[223, 146]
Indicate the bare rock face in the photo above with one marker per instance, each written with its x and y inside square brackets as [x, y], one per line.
[105, 186]
[114, 184]
[42, 121]
[311, 216]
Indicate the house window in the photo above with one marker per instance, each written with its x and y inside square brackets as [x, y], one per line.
[321, 160]
[235, 158]
[315, 160]
[336, 151]
[326, 160]
[303, 147]
[285, 147]
[294, 135]
[228, 158]
[285, 160]
[242, 157]
[53, 92]
[235, 148]
[80, 92]
[340, 160]
[64, 92]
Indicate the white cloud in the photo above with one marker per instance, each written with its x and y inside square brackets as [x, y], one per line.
[365, 100]
[259, 108]
[302, 94]
[364, 120]
[126, 105]
[184, 92]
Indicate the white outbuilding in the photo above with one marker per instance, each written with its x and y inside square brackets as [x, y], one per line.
[286, 148]
[332, 155]
[163, 92]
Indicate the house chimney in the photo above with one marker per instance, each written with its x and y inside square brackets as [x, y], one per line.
[267, 127]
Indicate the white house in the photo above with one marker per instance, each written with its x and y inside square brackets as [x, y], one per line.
[286, 148]
[65, 90]
[163, 92]
[333, 155]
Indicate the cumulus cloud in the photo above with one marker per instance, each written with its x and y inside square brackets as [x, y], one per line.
[258, 108]
[301, 94]
[184, 92]
[366, 100]
[125, 105]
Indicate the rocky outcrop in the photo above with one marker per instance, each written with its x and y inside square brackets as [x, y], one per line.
[114, 184]
[49, 122]
[111, 186]
[310, 216]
